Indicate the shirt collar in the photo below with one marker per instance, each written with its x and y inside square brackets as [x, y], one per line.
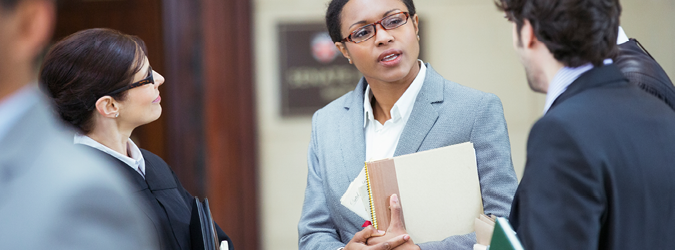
[15, 105]
[403, 106]
[136, 161]
[621, 37]
[563, 79]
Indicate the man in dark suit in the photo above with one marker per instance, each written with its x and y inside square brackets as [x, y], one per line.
[52, 195]
[600, 170]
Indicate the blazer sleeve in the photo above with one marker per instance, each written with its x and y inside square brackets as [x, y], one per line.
[316, 229]
[189, 199]
[560, 203]
[498, 181]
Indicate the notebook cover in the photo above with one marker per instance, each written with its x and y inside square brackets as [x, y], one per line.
[382, 183]
[202, 229]
[503, 237]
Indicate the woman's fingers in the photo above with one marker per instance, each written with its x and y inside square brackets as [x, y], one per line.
[396, 223]
[391, 243]
[366, 233]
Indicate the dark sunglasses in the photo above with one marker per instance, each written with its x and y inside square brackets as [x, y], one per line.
[148, 80]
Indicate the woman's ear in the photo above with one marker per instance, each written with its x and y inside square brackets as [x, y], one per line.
[107, 107]
[343, 49]
[416, 23]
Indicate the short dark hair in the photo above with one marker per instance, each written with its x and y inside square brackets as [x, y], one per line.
[8, 4]
[334, 12]
[87, 65]
[575, 31]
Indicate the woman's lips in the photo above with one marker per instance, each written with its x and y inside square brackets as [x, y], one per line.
[157, 100]
[390, 57]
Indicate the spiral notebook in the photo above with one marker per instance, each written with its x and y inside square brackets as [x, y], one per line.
[439, 191]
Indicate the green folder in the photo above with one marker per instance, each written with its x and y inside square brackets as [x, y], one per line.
[503, 237]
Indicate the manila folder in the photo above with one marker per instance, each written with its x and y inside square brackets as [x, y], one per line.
[439, 192]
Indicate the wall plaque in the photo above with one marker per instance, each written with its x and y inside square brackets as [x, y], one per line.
[313, 71]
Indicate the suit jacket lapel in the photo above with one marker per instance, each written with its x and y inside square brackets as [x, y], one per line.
[596, 77]
[352, 137]
[157, 177]
[139, 184]
[424, 114]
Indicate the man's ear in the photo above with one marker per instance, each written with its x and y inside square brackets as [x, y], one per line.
[36, 21]
[343, 49]
[527, 37]
[107, 107]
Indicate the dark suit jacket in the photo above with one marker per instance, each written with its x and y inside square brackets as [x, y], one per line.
[643, 70]
[164, 200]
[600, 170]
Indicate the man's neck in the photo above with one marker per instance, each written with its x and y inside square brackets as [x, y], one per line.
[549, 70]
[11, 85]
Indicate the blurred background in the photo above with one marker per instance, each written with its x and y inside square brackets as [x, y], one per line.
[241, 87]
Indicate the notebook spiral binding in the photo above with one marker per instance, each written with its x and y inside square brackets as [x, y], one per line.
[370, 199]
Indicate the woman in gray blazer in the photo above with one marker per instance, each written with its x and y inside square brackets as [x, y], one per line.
[400, 106]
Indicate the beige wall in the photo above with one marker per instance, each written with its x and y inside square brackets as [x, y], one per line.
[471, 45]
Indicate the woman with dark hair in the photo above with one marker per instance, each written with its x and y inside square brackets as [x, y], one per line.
[101, 83]
[400, 106]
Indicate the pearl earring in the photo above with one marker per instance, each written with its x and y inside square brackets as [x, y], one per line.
[418, 37]
[350, 60]
[117, 115]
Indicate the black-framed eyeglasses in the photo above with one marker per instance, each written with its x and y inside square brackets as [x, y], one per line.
[368, 31]
[148, 80]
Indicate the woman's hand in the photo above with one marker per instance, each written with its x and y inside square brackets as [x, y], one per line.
[359, 240]
[396, 227]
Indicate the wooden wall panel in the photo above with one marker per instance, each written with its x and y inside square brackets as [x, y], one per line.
[185, 132]
[229, 116]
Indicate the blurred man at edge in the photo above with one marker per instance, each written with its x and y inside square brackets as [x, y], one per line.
[47, 199]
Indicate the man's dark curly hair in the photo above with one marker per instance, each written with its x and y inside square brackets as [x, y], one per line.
[575, 31]
[334, 12]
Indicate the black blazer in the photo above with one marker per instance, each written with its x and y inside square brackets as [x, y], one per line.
[600, 170]
[641, 69]
[164, 200]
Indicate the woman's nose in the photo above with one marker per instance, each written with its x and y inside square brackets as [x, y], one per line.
[382, 35]
[159, 79]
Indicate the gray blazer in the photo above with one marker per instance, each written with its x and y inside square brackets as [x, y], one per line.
[444, 113]
[52, 196]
